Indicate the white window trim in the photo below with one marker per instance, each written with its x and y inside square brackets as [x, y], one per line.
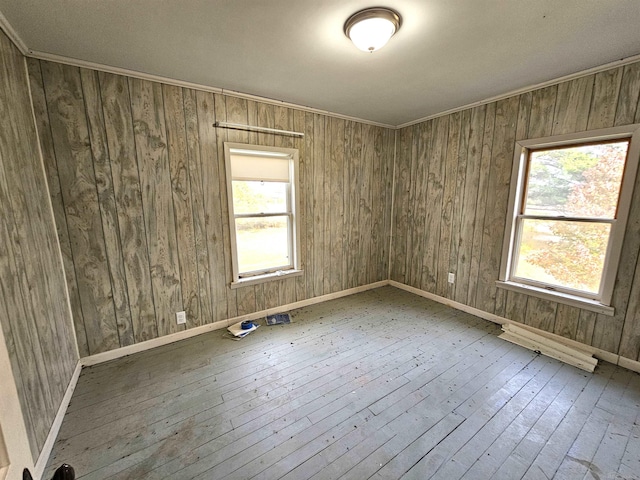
[292, 270]
[603, 304]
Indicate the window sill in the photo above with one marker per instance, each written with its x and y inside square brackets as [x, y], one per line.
[565, 298]
[268, 277]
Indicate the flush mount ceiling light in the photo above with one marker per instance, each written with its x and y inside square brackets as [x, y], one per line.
[370, 29]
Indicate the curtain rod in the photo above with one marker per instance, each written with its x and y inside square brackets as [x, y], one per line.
[240, 126]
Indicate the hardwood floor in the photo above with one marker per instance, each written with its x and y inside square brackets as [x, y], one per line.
[382, 385]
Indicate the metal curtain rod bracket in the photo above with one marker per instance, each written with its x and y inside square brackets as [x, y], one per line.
[240, 126]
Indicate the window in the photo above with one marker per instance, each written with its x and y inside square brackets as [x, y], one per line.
[261, 183]
[570, 198]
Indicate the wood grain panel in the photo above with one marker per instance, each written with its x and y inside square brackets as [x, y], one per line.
[497, 199]
[126, 185]
[181, 195]
[468, 220]
[160, 198]
[481, 203]
[155, 184]
[107, 204]
[477, 219]
[195, 169]
[35, 319]
[71, 140]
[39, 103]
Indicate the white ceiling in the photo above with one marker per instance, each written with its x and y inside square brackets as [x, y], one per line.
[448, 53]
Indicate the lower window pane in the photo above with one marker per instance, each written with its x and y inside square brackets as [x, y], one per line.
[263, 243]
[563, 253]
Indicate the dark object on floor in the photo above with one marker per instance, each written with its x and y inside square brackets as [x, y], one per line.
[246, 325]
[64, 472]
[278, 319]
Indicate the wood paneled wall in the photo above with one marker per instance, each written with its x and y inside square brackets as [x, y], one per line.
[451, 193]
[34, 310]
[136, 175]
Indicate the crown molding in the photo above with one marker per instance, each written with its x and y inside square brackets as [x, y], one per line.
[13, 35]
[196, 86]
[24, 49]
[530, 88]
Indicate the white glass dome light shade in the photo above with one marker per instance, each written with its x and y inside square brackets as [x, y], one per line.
[371, 29]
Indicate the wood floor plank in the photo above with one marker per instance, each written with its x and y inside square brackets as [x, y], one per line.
[383, 385]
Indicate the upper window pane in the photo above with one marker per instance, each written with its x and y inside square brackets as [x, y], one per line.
[577, 181]
[254, 197]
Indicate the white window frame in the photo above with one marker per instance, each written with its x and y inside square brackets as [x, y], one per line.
[282, 271]
[600, 303]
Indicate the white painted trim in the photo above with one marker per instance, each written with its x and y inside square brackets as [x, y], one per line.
[13, 35]
[599, 303]
[17, 454]
[192, 332]
[572, 76]
[45, 453]
[598, 353]
[559, 297]
[196, 86]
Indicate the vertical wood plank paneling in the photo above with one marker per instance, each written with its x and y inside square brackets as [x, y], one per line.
[19, 325]
[70, 134]
[448, 199]
[497, 199]
[541, 313]
[49, 159]
[401, 202]
[379, 204]
[629, 95]
[210, 109]
[481, 205]
[299, 125]
[596, 101]
[566, 323]
[458, 199]
[572, 105]
[155, 184]
[181, 195]
[126, 184]
[417, 210]
[195, 171]
[33, 298]
[308, 190]
[364, 202]
[468, 220]
[354, 153]
[336, 203]
[605, 98]
[543, 103]
[107, 204]
[318, 204]
[387, 159]
[435, 186]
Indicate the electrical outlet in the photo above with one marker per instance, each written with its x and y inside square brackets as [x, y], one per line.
[452, 277]
[181, 317]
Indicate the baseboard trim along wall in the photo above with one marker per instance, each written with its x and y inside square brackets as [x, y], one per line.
[45, 453]
[596, 352]
[192, 332]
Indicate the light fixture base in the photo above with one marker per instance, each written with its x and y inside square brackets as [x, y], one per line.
[352, 27]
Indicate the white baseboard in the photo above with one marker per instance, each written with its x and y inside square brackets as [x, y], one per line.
[57, 422]
[192, 332]
[632, 365]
